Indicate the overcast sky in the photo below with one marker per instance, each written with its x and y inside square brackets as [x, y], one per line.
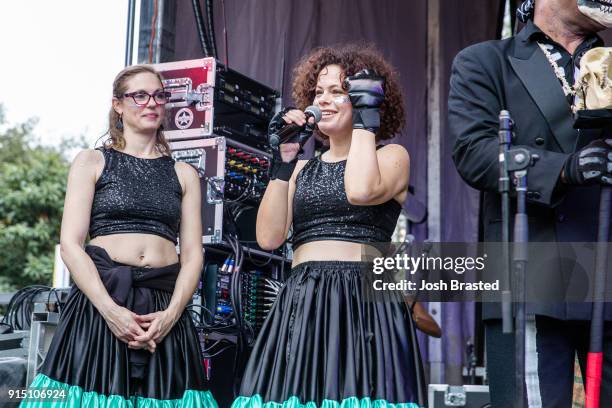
[59, 59]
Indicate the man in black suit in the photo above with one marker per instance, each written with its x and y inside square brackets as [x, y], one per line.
[518, 75]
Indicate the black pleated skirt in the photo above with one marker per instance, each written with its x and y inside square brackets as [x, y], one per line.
[329, 341]
[93, 368]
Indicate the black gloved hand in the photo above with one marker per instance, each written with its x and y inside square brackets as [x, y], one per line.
[280, 169]
[367, 94]
[590, 165]
[277, 122]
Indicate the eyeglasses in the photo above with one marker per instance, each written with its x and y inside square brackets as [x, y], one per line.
[142, 98]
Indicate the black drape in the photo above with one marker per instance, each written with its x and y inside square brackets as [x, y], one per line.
[267, 37]
[462, 24]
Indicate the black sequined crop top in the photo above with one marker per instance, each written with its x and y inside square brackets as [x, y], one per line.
[136, 195]
[321, 210]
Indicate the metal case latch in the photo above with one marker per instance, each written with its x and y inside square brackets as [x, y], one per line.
[215, 190]
[454, 396]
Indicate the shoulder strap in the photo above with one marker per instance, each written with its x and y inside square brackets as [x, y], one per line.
[104, 150]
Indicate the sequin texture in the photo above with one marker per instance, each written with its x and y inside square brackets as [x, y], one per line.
[136, 195]
[321, 210]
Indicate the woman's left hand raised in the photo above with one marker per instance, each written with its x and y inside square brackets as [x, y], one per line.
[156, 325]
[366, 92]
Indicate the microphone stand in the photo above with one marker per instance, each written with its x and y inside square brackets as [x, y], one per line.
[506, 126]
[519, 161]
[516, 162]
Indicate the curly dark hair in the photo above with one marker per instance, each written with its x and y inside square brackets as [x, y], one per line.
[352, 58]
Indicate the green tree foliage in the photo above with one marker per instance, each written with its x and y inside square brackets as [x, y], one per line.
[32, 188]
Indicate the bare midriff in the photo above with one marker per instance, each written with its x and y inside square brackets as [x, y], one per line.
[143, 250]
[333, 251]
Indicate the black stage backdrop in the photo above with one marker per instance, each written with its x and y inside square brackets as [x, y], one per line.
[267, 37]
[462, 23]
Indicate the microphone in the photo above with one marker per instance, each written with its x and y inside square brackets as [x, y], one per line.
[290, 130]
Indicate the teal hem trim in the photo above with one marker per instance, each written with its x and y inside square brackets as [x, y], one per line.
[294, 402]
[74, 396]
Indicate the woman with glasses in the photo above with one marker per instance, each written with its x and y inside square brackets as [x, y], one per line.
[124, 338]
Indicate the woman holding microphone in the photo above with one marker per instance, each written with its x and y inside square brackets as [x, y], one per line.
[324, 344]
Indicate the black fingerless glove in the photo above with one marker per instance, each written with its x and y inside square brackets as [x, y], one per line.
[367, 94]
[590, 165]
[276, 124]
[278, 168]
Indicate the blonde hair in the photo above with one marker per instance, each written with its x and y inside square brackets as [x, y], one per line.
[116, 138]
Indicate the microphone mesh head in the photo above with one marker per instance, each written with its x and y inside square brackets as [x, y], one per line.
[314, 112]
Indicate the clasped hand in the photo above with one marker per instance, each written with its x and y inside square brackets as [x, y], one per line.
[140, 331]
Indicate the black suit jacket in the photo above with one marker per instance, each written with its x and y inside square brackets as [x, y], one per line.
[515, 75]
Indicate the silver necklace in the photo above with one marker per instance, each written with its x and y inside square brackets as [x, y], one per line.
[568, 90]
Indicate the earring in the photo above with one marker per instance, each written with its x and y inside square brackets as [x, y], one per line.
[119, 124]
